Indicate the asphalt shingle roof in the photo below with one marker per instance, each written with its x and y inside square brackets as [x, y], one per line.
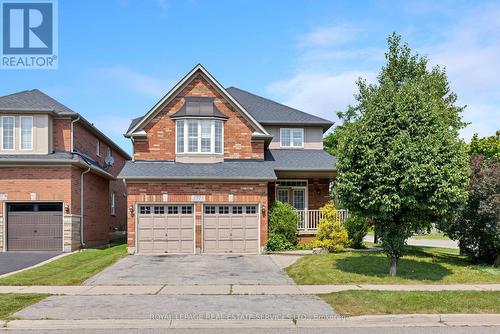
[297, 160]
[289, 159]
[248, 170]
[266, 111]
[33, 100]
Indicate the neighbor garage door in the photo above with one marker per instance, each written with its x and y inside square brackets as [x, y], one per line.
[165, 229]
[34, 227]
[231, 229]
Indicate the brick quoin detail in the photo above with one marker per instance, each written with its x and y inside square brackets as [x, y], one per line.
[160, 144]
[182, 192]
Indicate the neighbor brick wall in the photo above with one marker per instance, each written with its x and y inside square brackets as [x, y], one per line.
[181, 193]
[160, 144]
[49, 183]
[97, 216]
[61, 134]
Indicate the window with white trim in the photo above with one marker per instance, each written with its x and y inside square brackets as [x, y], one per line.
[113, 204]
[8, 126]
[199, 136]
[292, 137]
[26, 132]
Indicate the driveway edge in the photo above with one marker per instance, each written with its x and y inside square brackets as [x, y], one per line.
[57, 257]
[404, 320]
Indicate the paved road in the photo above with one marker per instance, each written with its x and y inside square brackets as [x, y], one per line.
[372, 330]
[426, 242]
[206, 269]
[13, 261]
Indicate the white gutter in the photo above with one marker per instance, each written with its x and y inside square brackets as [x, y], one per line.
[71, 139]
[82, 243]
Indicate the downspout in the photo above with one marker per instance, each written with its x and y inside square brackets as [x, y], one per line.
[82, 243]
[72, 148]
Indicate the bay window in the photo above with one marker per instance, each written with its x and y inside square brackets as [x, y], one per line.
[199, 136]
[292, 137]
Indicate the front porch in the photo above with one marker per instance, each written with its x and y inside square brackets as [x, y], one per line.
[307, 196]
[308, 220]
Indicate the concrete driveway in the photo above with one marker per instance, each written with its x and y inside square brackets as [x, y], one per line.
[192, 270]
[13, 261]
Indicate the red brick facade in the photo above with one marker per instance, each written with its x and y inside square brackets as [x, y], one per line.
[62, 183]
[160, 142]
[244, 193]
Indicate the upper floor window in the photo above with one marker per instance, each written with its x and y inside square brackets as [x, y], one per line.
[199, 136]
[26, 132]
[8, 125]
[113, 204]
[98, 148]
[292, 137]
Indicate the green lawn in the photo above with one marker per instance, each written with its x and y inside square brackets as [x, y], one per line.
[69, 270]
[11, 303]
[407, 302]
[420, 265]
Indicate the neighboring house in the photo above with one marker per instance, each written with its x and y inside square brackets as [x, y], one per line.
[49, 157]
[209, 162]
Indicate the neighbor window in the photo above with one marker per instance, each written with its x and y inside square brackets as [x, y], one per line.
[26, 132]
[292, 137]
[199, 136]
[98, 148]
[113, 204]
[8, 132]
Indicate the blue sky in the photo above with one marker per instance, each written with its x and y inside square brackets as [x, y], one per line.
[118, 57]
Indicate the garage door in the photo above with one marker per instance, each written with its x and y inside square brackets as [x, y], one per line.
[34, 227]
[231, 229]
[165, 229]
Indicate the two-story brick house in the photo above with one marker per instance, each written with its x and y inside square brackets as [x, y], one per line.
[58, 185]
[208, 163]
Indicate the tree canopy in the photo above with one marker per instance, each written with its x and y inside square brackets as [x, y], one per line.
[400, 160]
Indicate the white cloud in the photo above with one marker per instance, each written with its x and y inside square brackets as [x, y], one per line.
[138, 83]
[320, 94]
[329, 35]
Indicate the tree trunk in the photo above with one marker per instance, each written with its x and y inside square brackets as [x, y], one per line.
[393, 269]
[375, 236]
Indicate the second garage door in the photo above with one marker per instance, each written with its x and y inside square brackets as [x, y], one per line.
[231, 229]
[165, 229]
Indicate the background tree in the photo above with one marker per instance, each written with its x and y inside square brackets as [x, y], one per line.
[400, 160]
[478, 228]
[488, 147]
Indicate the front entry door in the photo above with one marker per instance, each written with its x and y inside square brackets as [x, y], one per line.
[296, 197]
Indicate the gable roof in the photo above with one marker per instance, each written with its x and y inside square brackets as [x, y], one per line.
[197, 70]
[270, 112]
[35, 101]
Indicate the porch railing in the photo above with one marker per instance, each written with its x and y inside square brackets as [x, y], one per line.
[308, 220]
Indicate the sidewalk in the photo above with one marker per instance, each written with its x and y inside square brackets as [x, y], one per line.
[236, 289]
[407, 320]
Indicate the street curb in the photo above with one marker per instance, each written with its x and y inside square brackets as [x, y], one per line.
[57, 257]
[404, 320]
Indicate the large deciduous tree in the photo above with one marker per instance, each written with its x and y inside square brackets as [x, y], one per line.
[400, 161]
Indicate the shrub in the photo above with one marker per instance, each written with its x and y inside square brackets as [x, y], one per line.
[283, 221]
[357, 229]
[331, 234]
[278, 242]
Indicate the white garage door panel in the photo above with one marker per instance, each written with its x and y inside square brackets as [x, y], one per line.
[165, 229]
[230, 229]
